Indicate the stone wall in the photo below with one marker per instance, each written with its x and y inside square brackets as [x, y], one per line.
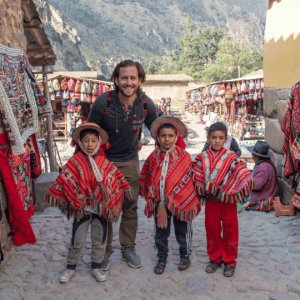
[275, 102]
[175, 90]
[11, 26]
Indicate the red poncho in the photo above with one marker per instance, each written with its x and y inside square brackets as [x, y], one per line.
[224, 176]
[76, 188]
[180, 196]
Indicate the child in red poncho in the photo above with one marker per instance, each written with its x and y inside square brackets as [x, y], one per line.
[221, 179]
[166, 183]
[92, 190]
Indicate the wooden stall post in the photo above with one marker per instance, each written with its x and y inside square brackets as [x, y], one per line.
[50, 143]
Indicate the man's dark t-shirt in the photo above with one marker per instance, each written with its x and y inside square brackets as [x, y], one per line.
[124, 143]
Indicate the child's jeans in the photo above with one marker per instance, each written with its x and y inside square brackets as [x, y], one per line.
[222, 248]
[79, 234]
[183, 234]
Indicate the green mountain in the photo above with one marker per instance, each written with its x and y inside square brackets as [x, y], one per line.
[111, 30]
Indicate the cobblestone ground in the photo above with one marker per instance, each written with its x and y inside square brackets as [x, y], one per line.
[268, 265]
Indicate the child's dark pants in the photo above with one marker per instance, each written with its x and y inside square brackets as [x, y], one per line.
[183, 234]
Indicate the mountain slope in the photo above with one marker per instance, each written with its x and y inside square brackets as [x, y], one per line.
[110, 30]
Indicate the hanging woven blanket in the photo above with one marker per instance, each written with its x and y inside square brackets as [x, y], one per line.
[291, 128]
[17, 102]
[20, 166]
[76, 188]
[43, 107]
[179, 193]
[223, 176]
[20, 227]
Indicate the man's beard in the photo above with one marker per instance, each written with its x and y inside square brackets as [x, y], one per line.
[134, 91]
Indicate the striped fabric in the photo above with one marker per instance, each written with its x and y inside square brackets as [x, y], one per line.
[223, 176]
[291, 128]
[266, 205]
[180, 196]
[76, 188]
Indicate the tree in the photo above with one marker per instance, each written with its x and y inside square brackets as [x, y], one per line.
[231, 54]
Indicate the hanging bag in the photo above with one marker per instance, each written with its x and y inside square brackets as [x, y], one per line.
[100, 90]
[95, 89]
[90, 88]
[64, 84]
[234, 90]
[50, 86]
[56, 85]
[84, 87]
[71, 84]
[78, 86]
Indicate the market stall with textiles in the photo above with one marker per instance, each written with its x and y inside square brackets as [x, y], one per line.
[72, 99]
[194, 102]
[239, 102]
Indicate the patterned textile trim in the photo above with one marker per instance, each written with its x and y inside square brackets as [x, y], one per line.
[290, 128]
[223, 176]
[76, 187]
[266, 205]
[42, 105]
[29, 130]
[35, 160]
[11, 127]
[180, 197]
[17, 102]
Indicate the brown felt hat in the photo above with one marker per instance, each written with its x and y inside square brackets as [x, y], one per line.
[168, 119]
[103, 133]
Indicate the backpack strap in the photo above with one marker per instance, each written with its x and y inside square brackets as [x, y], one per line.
[109, 97]
[144, 99]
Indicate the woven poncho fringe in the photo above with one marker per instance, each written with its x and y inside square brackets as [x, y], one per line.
[222, 175]
[180, 196]
[76, 187]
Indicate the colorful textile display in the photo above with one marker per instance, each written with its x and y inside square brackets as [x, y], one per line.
[76, 188]
[291, 128]
[179, 193]
[224, 176]
[43, 107]
[266, 205]
[20, 227]
[17, 102]
[35, 160]
[20, 168]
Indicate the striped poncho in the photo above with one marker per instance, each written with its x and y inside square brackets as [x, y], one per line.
[223, 176]
[179, 193]
[76, 188]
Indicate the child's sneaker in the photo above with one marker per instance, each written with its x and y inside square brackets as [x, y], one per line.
[66, 275]
[98, 275]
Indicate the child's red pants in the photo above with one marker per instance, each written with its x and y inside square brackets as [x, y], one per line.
[222, 248]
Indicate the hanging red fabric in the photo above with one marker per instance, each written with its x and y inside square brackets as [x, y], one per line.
[21, 230]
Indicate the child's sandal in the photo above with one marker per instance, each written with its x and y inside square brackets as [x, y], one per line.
[229, 269]
[159, 268]
[213, 268]
[184, 264]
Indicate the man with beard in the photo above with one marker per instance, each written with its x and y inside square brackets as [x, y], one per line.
[122, 113]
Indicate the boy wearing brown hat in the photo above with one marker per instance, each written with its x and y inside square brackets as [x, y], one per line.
[92, 190]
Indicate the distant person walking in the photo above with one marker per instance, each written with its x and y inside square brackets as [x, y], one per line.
[210, 118]
[122, 113]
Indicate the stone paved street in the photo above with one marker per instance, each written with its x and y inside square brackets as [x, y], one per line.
[268, 264]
